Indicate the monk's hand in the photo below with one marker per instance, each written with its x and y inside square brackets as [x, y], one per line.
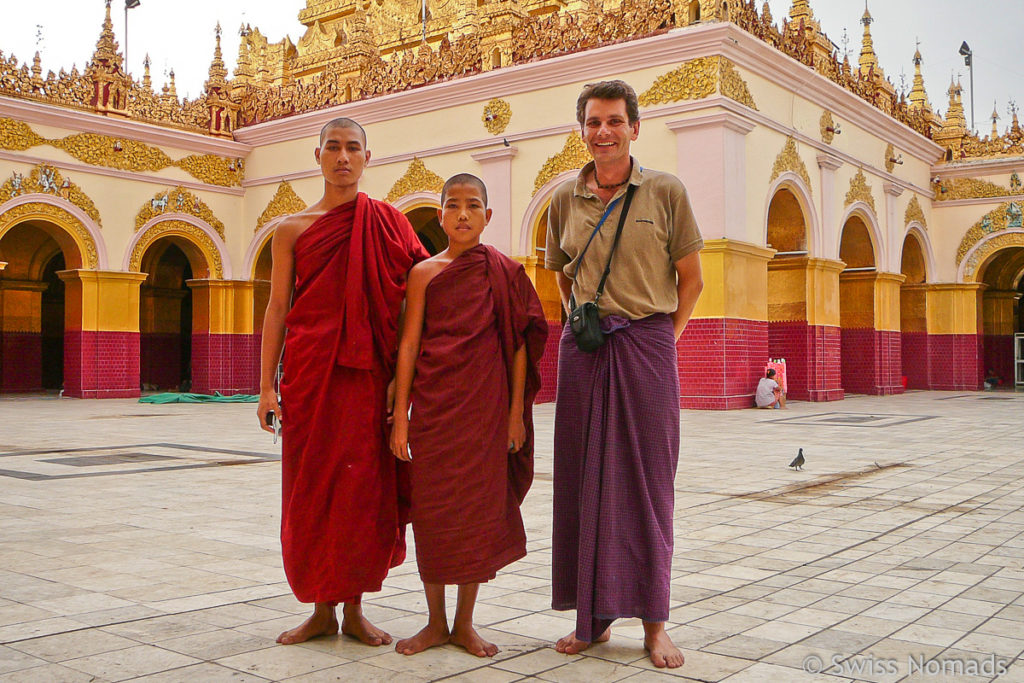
[400, 439]
[389, 406]
[516, 431]
[268, 402]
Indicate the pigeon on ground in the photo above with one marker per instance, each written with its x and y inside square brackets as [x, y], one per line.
[798, 461]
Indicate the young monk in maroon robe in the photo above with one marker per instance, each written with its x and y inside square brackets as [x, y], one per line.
[337, 284]
[474, 331]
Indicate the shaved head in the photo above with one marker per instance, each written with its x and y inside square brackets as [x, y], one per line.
[464, 179]
[342, 123]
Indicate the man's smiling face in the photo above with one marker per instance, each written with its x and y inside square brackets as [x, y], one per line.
[607, 131]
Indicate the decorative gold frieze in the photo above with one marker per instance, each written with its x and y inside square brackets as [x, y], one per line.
[914, 213]
[574, 155]
[178, 200]
[827, 127]
[697, 79]
[1015, 186]
[124, 154]
[969, 188]
[1010, 239]
[90, 257]
[284, 202]
[789, 160]
[860, 191]
[497, 114]
[1007, 215]
[891, 158]
[417, 178]
[48, 180]
[187, 231]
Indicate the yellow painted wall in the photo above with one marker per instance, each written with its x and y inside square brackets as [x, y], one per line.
[735, 281]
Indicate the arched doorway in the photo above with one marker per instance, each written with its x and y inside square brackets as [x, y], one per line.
[166, 314]
[261, 272]
[788, 318]
[428, 228]
[32, 305]
[859, 344]
[545, 280]
[1003, 276]
[915, 357]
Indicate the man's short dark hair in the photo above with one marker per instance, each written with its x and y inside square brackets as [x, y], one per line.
[608, 90]
[464, 179]
[342, 122]
[770, 373]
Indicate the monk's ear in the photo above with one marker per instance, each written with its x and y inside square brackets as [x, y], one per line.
[487, 216]
[440, 214]
[367, 157]
[316, 155]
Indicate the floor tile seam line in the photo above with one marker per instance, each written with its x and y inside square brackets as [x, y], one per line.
[87, 627]
[491, 663]
[80, 449]
[149, 470]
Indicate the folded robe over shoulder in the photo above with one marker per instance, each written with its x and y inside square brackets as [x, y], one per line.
[466, 486]
[343, 518]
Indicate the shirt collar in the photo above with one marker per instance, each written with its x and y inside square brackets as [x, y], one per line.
[581, 190]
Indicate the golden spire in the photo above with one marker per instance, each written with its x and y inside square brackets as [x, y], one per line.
[801, 9]
[218, 72]
[868, 59]
[243, 70]
[173, 89]
[955, 116]
[106, 47]
[995, 120]
[918, 96]
[766, 13]
[147, 82]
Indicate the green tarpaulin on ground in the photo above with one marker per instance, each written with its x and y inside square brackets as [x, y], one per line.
[217, 397]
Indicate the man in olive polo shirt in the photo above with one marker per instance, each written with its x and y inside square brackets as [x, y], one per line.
[617, 408]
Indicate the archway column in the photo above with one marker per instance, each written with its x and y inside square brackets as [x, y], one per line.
[803, 314]
[723, 351]
[954, 336]
[225, 347]
[914, 347]
[998, 325]
[21, 339]
[101, 333]
[496, 172]
[870, 318]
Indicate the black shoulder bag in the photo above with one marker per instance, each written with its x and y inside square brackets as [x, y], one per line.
[584, 320]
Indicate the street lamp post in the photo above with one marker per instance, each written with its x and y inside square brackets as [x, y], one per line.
[128, 4]
[968, 55]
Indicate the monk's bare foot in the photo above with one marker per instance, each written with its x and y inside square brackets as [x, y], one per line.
[428, 637]
[356, 626]
[571, 645]
[322, 623]
[468, 639]
[664, 653]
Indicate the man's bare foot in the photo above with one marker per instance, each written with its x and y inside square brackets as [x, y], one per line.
[571, 645]
[428, 637]
[356, 626]
[468, 639]
[322, 623]
[664, 653]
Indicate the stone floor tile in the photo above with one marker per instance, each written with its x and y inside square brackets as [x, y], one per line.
[49, 673]
[133, 662]
[589, 670]
[216, 644]
[536, 661]
[73, 644]
[745, 647]
[206, 673]
[355, 671]
[14, 660]
[930, 635]
[772, 673]
[277, 662]
[165, 627]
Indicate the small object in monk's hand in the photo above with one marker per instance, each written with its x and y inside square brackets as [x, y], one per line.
[798, 461]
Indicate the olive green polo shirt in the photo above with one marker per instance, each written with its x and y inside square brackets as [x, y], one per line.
[660, 229]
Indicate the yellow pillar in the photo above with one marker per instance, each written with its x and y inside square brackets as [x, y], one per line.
[21, 341]
[735, 280]
[954, 326]
[998, 308]
[225, 350]
[887, 301]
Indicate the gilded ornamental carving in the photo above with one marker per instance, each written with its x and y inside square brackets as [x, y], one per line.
[186, 230]
[827, 127]
[1010, 239]
[574, 155]
[697, 79]
[48, 180]
[284, 202]
[860, 191]
[969, 188]
[417, 178]
[496, 116]
[914, 212]
[789, 160]
[178, 200]
[1008, 215]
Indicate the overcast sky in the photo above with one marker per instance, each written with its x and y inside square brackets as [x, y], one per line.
[178, 34]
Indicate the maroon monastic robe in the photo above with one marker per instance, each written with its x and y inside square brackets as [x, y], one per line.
[466, 486]
[343, 514]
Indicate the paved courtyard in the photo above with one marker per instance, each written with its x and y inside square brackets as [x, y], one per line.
[140, 542]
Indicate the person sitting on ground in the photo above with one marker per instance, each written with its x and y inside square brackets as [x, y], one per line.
[769, 393]
[992, 379]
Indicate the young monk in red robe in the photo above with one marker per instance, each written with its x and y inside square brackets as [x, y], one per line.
[474, 332]
[337, 285]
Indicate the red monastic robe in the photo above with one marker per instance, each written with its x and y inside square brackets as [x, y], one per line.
[466, 486]
[344, 505]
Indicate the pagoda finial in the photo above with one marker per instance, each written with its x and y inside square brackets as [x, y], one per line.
[218, 72]
[868, 58]
[995, 119]
[766, 13]
[918, 96]
[106, 47]
[173, 89]
[801, 9]
[243, 69]
[147, 82]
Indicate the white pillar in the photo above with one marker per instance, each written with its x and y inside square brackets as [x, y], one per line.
[893, 227]
[828, 246]
[496, 172]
